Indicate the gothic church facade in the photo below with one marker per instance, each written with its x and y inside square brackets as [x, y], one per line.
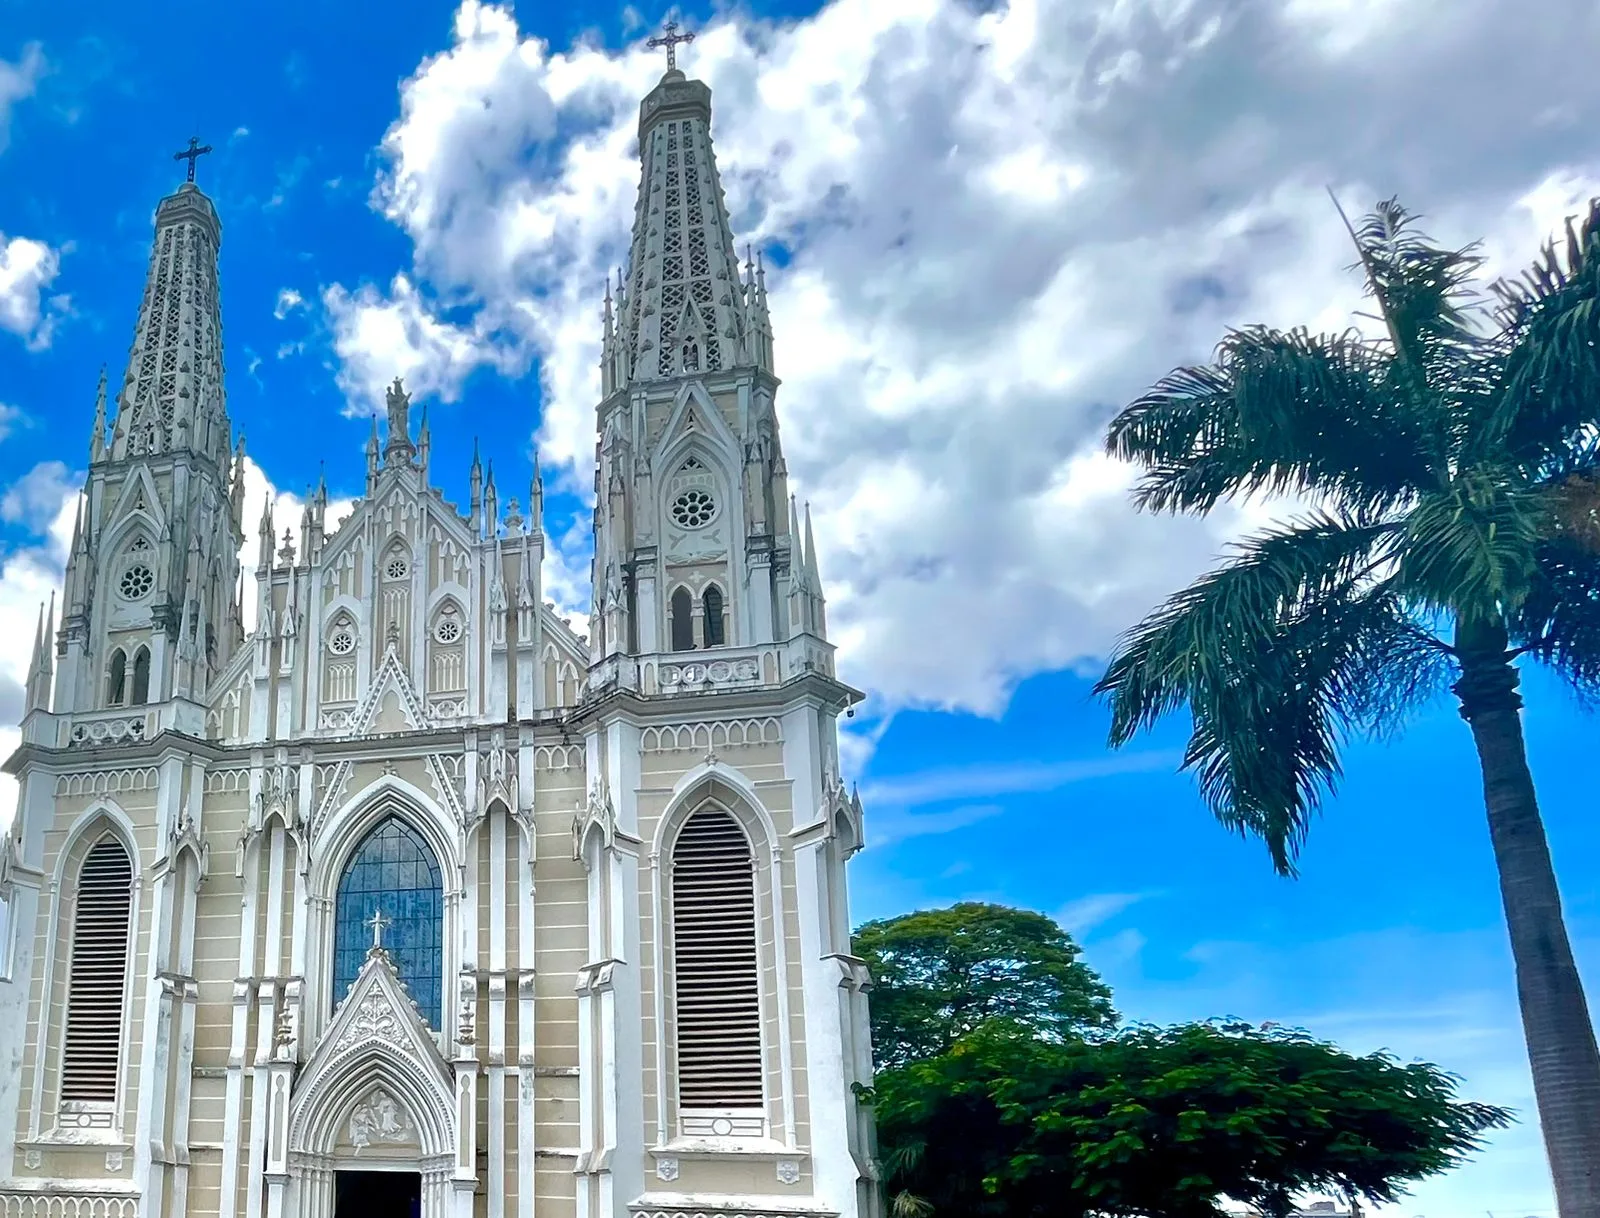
[410, 899]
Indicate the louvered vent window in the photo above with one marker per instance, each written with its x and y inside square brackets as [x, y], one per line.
[99, 970]
[717, 974]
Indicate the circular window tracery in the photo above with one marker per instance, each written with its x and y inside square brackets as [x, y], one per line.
[694, 508]
[397, 567]
[342, 641]
[448, 630]
[136, 582]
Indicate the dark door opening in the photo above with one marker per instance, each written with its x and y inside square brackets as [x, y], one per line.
[377, 1194]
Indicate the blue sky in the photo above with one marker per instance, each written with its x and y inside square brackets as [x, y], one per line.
[990, 225]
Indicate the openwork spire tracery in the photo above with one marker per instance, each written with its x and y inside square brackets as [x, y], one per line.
[172, 393]
[685, 309]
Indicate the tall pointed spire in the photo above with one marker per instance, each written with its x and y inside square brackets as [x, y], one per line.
[40, 669]
[812, 577]
[174, 374]
[536, 498]
[265, 535]
[97, 440]
[682, 317]
[475, 480]
[236, 485]
[372, 457]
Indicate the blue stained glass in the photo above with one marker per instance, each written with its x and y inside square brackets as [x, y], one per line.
[393, 871]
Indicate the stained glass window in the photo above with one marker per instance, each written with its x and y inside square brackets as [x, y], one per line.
[393, 871]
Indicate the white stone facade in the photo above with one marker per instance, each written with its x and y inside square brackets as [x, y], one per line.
[579, 1015]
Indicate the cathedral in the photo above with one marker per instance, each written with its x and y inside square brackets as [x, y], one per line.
[410, 899]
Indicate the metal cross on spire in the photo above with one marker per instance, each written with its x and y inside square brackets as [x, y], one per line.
[670, 40]
[192, 153]
[379, 924]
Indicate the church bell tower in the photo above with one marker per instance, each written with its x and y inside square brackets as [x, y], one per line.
[697, 544]
[151, 608]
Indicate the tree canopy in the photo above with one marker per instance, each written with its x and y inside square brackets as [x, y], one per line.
[1163, 1121]
[940, 974]
[1007, 1089]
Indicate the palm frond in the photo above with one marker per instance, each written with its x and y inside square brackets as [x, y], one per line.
[1280, 412]
[1424, 291]
[1558, 622]
[1265, 744]
[1278, 654]
[1550, 325]
[1472, 548]
[1186, 643]
[1441, 336]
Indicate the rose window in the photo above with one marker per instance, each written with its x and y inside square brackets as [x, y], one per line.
[694, 508]
[448, 630]
[136, 583]
[397, 568]
[342, 642]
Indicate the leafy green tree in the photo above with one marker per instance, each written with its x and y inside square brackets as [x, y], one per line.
[1450, 468]
[941, 973]
[1161, 1121]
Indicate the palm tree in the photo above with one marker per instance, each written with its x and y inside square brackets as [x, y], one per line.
[1451, 531]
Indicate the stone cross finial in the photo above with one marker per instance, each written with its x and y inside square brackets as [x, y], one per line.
[194, 151]
[379, 924]
[670, 40]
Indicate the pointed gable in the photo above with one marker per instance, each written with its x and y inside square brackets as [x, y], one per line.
[391, 704]
[376, 1075]
[140, 497]
[695, 416]
[379, 1010]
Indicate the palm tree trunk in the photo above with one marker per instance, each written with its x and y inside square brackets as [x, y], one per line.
[1555, 1015]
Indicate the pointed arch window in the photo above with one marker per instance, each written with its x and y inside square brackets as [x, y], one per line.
[117, 678]
[682, 620]
[141, 676]
[92, 1053]
[393, 871]
[716, 971]
[715, 633]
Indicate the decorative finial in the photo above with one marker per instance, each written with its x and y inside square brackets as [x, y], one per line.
[286, 554]
[283, 1033]
[194, 151]
[379, 923]
[670, 39]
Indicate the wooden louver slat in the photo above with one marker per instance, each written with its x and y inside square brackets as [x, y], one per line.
[717, 972]
[99, 970]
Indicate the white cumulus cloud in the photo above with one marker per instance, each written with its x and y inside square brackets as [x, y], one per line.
[18, 81]
[45, 501]
[993, 225]
[27, 268]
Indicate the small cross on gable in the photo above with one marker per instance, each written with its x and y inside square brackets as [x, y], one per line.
[670, 39]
